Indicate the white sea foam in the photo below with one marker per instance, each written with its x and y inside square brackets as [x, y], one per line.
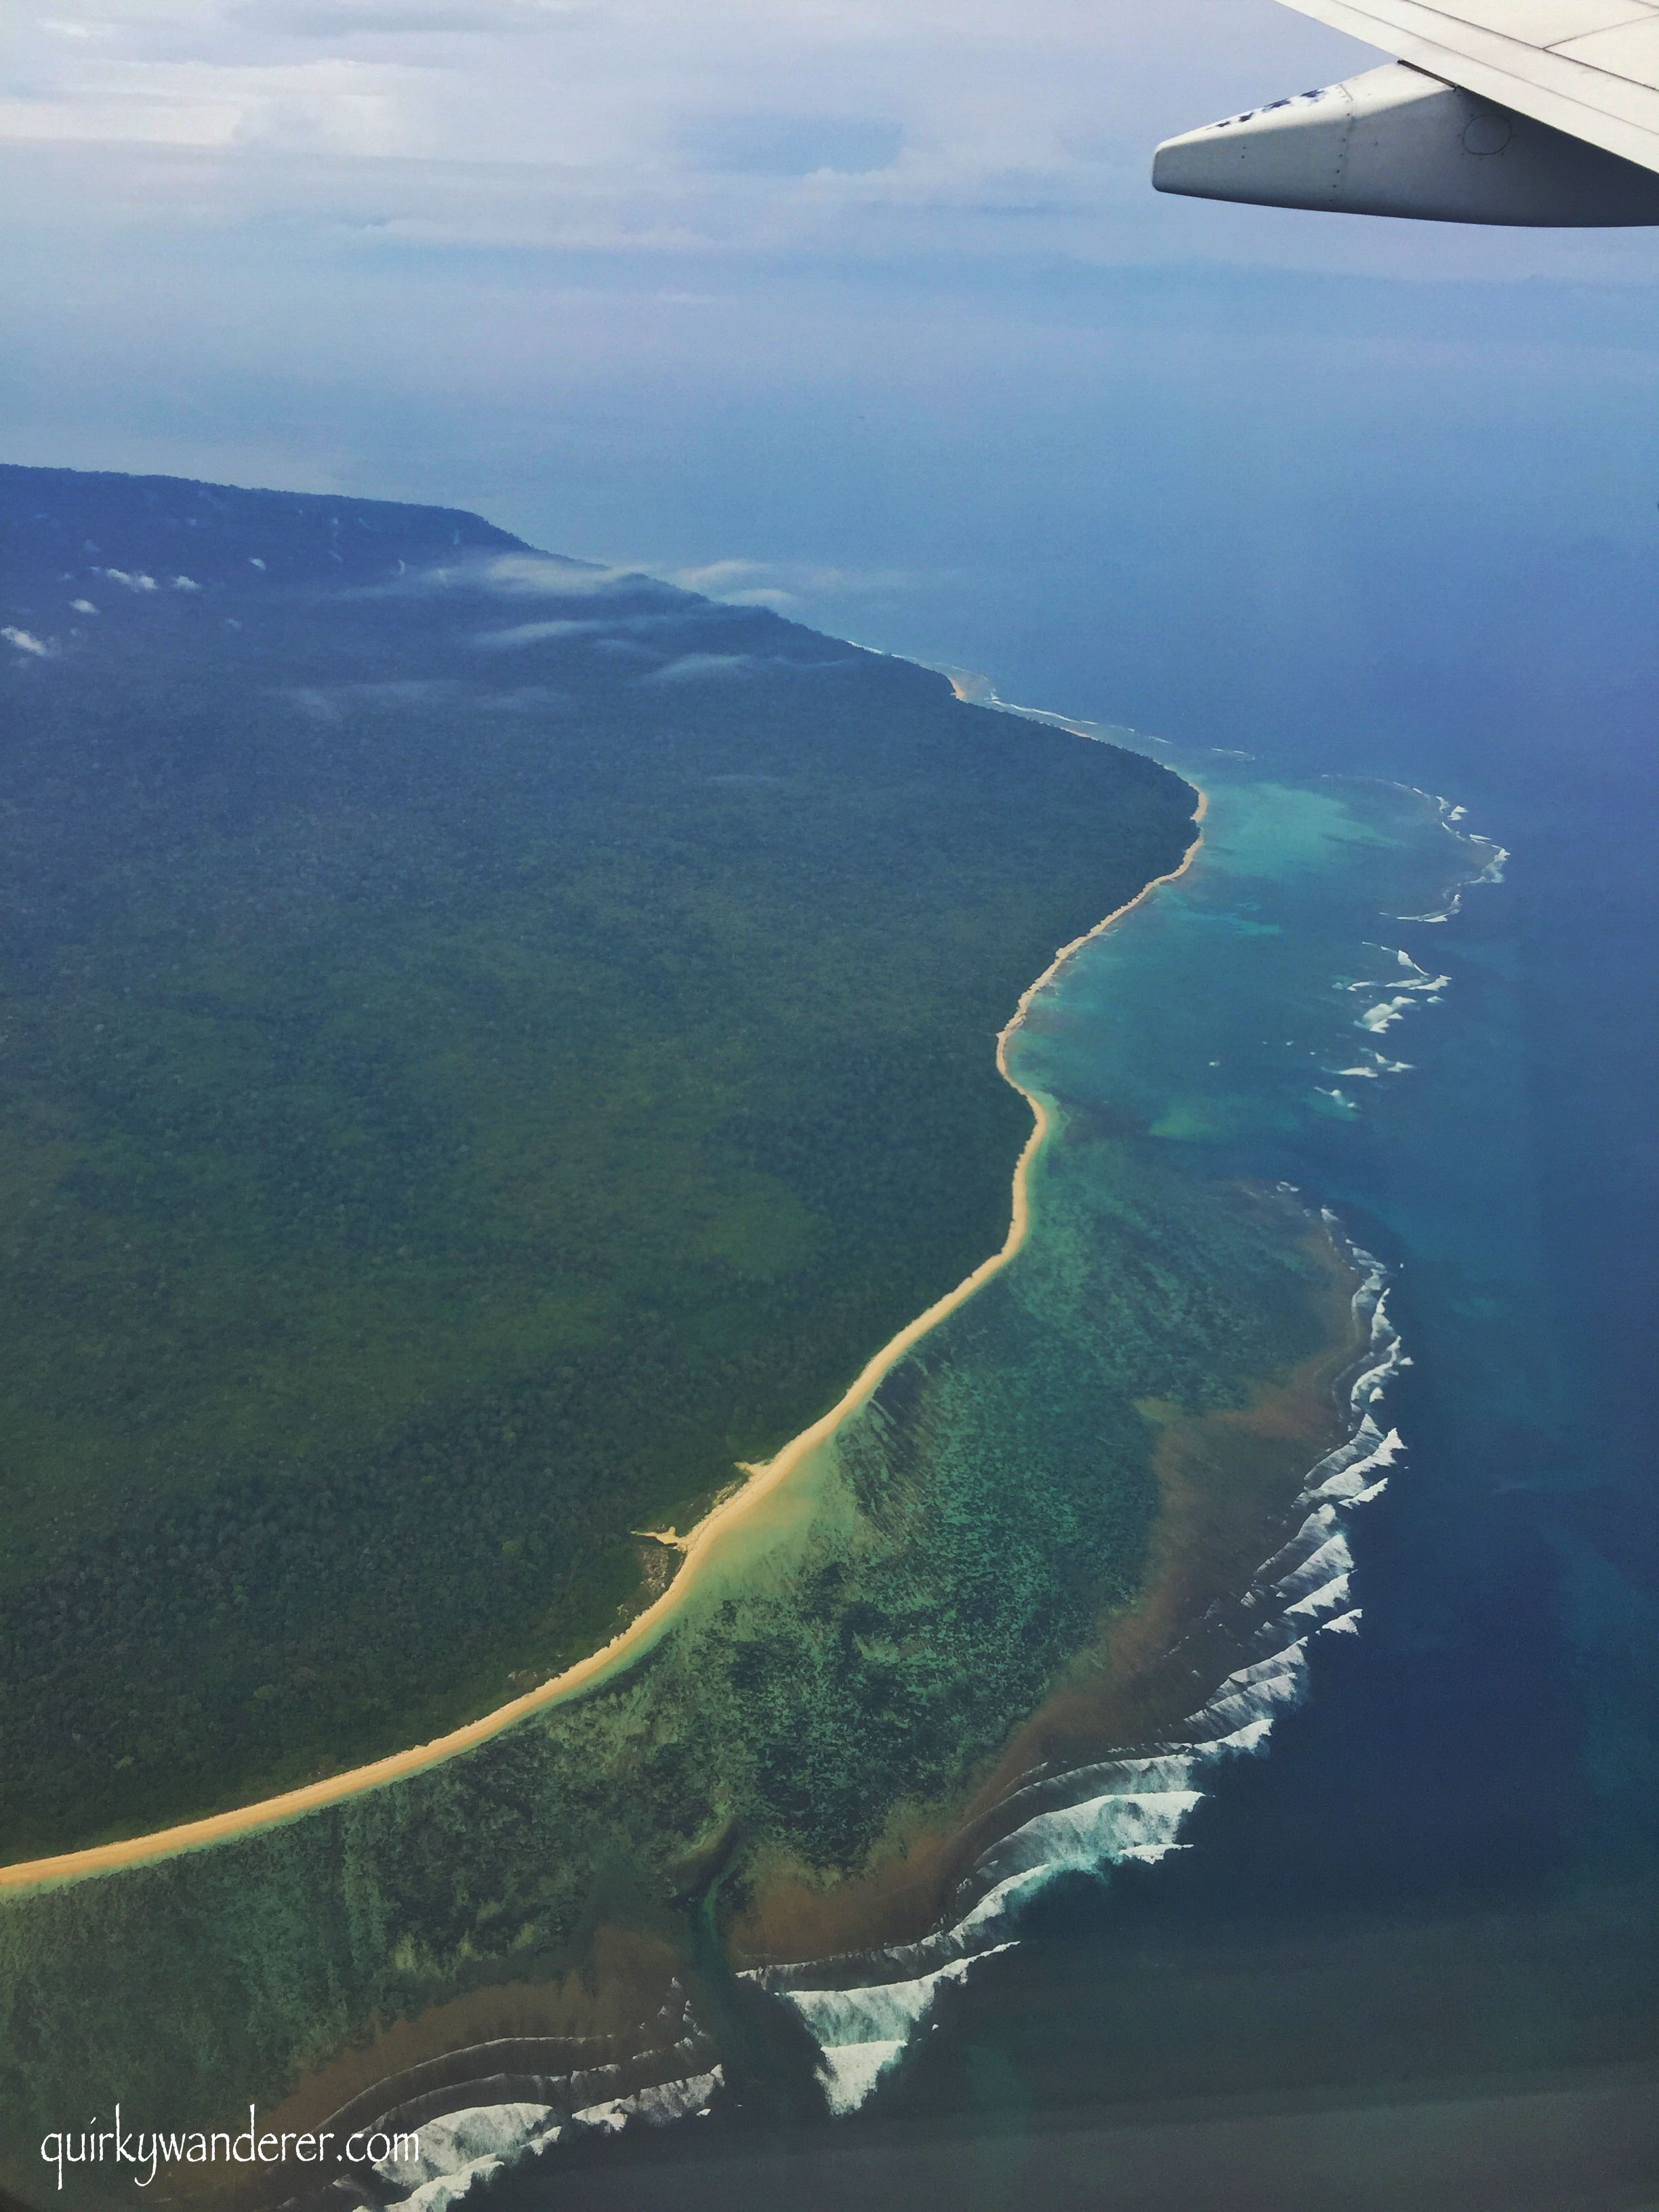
[468, 2146]
[860, 2032]
[851, 2070]
[1376, 1065]
[1325, 1599]
[1489, 856]
[1330, 1559]
[457, 2149]
[1413, 987]
[662, 2102]
[1413, 978]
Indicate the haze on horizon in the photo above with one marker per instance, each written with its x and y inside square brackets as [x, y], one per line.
[866, 312]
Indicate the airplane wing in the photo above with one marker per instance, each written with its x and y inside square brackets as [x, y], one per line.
[1533, 111]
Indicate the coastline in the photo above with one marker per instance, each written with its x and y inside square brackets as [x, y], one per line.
[645, 1630]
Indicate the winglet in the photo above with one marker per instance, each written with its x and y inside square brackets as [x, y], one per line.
[1397, 141]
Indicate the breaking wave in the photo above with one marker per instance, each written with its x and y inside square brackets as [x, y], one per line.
[1412, 987]
[1490, 856]
[470, 2147]
[479, 2112]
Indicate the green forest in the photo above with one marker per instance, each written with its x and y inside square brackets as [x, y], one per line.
[488, 1043]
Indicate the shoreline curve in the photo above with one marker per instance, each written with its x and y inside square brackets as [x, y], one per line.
[645, 1630]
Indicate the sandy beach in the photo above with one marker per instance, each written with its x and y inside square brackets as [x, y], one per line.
[699, 1546]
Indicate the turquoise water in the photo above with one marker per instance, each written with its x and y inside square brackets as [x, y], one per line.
[1280, 979]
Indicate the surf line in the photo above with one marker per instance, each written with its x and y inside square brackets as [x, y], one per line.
[648, 1627]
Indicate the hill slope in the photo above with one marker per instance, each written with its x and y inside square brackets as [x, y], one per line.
[488, 1043]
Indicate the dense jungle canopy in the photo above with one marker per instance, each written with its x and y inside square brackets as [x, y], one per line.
[488, 1043]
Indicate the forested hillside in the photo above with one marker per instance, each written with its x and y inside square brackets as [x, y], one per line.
[488, 1043]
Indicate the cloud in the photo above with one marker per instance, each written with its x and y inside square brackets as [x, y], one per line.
[738, 583]
[522, 699]
[405, 691]
[337, 19]
[870, 131]
[83, 606]
[713, 123]
[128, 580]
[715, 576]
[328, 702]
[185, 583]
[695, 667]
[533, 632]
[42, 649]
[509, 576]
[533, 576]
[312, 700]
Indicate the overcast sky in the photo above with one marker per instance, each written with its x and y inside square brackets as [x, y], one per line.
[838, 127]
[864, 305]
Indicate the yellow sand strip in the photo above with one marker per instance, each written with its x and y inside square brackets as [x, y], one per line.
[644, 1630]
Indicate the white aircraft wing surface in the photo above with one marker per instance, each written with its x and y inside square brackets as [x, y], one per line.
[1533, 111]
[1588, 67]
